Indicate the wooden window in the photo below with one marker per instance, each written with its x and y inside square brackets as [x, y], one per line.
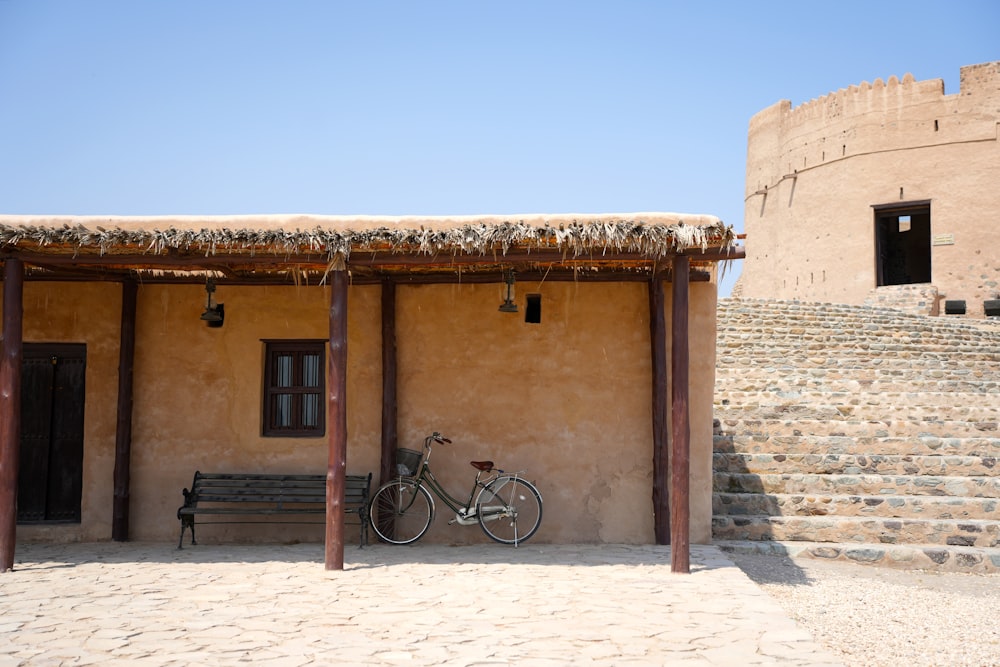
[294, 388]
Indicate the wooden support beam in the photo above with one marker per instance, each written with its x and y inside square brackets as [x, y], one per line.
[11, 353]
[436, 277]
[658, 357]
[390, 435]
[680, 450]
[123, 429]
[201, 261]
[337, 422]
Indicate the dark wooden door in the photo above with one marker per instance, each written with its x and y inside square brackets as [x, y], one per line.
[50, 470]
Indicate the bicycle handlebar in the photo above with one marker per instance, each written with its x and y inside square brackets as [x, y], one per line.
[437, 437]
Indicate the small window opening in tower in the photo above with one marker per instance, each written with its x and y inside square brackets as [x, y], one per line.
[935, 126]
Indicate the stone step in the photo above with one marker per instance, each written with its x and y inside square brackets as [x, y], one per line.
[833, 315]
[857, 464]
[884, 427]
[973, 560]
[914, 507]
[915, 366]
[926, 399]
[845, 332]
[865, 485]
[829, 411]
[770, 342]
[857, 445]
[870, 530]
[731, 379]
[774, 368]
[778, 371]
[834, 327]
[790, 311]
[837, 330]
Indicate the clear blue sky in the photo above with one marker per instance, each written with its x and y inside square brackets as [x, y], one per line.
[136, 107]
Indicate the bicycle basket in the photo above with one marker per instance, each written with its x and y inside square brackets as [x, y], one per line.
[407, 462]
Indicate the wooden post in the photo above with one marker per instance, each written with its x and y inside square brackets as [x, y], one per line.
[390, 435]
[680, 450]
[123, 430]
[658, 356]
[11, 352]
[337, 421]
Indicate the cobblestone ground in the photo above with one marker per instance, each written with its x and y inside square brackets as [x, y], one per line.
[150, 604]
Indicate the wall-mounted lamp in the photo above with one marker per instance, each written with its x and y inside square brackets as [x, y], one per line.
[508, 305]
[214, 314]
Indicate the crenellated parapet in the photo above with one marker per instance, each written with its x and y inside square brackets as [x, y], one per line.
[882, 116]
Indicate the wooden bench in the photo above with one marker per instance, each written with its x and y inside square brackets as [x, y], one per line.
[235, 495]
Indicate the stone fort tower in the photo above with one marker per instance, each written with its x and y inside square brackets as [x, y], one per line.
[887, 191]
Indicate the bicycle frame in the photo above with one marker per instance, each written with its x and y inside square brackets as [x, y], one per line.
[463, 511]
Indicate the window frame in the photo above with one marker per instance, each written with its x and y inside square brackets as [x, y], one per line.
[299, 348]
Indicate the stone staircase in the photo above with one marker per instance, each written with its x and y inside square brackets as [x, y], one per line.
[857, 433]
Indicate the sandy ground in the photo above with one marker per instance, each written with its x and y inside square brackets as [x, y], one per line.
[878, 616]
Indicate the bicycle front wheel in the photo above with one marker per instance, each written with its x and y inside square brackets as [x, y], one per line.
[401, 512]
[509, 509]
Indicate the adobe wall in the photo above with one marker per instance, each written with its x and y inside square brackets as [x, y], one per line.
[87, 313]
[567, 399]
[815, 171]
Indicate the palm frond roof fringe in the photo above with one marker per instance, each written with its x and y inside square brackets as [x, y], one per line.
[654, 235]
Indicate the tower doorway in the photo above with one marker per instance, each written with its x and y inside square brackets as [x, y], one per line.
[903, 244]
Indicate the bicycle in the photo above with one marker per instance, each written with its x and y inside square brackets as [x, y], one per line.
[507, 507]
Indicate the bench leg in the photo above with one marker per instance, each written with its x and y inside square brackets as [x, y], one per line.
[186, 522]
[364, 528]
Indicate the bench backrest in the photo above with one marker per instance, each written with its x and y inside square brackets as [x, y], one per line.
[273, 488]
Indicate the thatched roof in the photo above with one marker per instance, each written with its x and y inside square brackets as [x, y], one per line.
[145, 243]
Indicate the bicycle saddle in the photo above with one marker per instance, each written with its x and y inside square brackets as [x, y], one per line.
[485, 466]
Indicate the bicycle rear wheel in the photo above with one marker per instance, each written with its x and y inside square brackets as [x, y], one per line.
[509, 509]
[401, 512]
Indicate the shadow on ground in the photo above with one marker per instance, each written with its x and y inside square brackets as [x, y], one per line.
[50, 556]
[771, 569]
